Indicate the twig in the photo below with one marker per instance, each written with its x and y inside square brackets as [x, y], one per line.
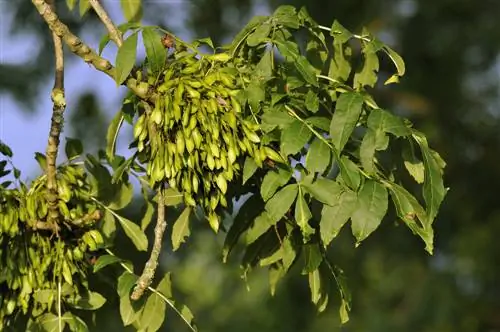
[77, 46]
[150, 268]
[114, 34]
[55, 129]
[171, 303]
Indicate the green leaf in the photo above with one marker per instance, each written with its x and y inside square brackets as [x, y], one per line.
[433, 189]
[319, 286]
[165, 286]
[349, 172]
[127, 312]
[276, 273]
[260, 226]
[260, 34]
[347, 112]
[134, 233]
[273, 180]
[122, 197]
[372, 141]
[73, 148]
[249, 169]
[264, 69]
[312, 257]
[125, 283]
[5, 150]
[280, 203]
[367, 76]
[107, 227]
[42, 160]
[122, 28]
[275, 118]
[396, 59]
[132, 9]
[75, 323]
[320, 122]
[104, 261]
[242, 35]
[91, 301]
[287, 48]
[152, 315]
[324, 190]
[306, 69]
[84, 7]
[71, 4]
[172, 197]
[312, 101]
[180, 231]
[243, 219]
[125, 58]
[112, 135]
[381, 120]
[334, 217]
[303, 215]
[340, 34]
[318, 156]
[147, 212]
[207, 41]
[286, 15]
[256, 94]
[50, 322]
[340, 66]
[294, 138]
[155, 51]
[413, 165]
[370, 209]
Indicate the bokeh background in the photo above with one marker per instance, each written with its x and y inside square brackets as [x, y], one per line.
[451, 92]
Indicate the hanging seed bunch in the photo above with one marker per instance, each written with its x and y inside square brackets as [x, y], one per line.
[32, 256]
[198, 130]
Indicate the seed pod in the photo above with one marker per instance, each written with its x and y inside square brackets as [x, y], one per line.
[195, 183]
[177, 111]
[213, 220]
[221, 182]
[194, 94]
[139, 126]
[235, 105]
[179, 140]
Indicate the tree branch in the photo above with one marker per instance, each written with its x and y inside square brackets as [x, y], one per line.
[55, 129]
[77, 46]
[114, 34]
[149, 270]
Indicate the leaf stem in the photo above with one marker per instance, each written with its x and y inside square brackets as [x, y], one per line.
[150, 268]
[114, 34]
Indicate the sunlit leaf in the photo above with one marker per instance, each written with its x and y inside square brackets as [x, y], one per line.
[134, 233]
[370, 209]
[259, 35]
[181, 231]
[335, 216]
[132, 9]
[294, 138]
[347, 111]
[112, 135]
[303, 215]
[318, 156]
[287, 16]
[281, 202]
[367, 75]
[260, 225]
[155, 51]
[104, 261]
[273, 180]
[152, 314]
[125, 58]
[349, 172]
[324, 190]
[249, 169]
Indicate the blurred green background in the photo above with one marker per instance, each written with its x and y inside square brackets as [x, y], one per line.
[451, 93]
